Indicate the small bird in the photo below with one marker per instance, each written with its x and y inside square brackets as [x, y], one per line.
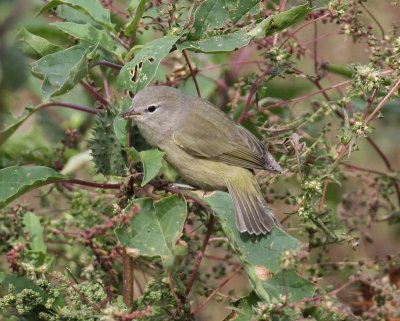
[207, 149]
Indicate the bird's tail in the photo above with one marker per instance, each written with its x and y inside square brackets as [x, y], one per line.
[252, 213]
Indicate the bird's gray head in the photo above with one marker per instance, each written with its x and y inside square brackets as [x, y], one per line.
[157, 110]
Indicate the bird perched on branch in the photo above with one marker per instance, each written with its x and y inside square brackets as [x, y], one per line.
[207, 149]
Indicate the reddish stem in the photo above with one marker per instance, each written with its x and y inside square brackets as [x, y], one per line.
[387, 163]
[362, 169]
[303, 26]
[253, 90]
[301, 98]
[373, 18]
[200, 254]
[127, 286]
[94, 93]
[213, 293]
[107, 64]
[85, 109]
[93, 184]
[341, 153]
[382, 102]
[368, 107]
[192, 72]
[333, 292]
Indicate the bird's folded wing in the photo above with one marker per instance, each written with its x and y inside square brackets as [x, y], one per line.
[222, 140]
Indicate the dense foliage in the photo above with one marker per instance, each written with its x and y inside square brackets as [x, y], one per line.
[93, 225]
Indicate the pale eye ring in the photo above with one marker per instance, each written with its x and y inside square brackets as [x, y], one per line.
[151, 109]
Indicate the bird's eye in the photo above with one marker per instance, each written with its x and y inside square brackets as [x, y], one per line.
[151, 109]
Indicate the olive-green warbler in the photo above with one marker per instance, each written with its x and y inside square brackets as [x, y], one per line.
[207, 149]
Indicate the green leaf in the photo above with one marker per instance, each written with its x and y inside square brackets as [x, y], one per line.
[20, 284]
[218, 43]
[11, 124]
[151, 160]
[155, 230]
[290, 283]
[238, 9]
[120, 130]
[138, 73]
[35, 230]
[92, 8]
[120, 124]
[152, 164]
[262, 256]
[211, 14]
[61, 71]
[88, 33]
[342, 70]
[130, 29]
[16, 180]
[245, 308]
[280, 21]
[35, 46]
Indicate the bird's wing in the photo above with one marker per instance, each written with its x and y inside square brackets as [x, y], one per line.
[220, 139]
[258, 148]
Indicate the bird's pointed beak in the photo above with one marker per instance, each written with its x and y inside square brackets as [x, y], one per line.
[131, 113]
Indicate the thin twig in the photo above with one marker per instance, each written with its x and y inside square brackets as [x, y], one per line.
[362, 169]
[252, 92]
[213, 293]
[107, 64]
[301, 27]
[192, 72]
[85, 109]
[200, 254]
[333, 292]
[231, 63]
[94, 93]
[315, 45]
[373, 18]
[127, 279]
[92, 184]
[301, 98]
[120, 41]
[282, 4]
[368, 107]
[387, 163]
[341, 153]
[382, 102]
[321, 37]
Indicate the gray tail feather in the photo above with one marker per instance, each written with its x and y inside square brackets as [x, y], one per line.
[252, 213]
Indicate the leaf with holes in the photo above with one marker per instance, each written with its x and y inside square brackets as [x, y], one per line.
[88, 33]
[61, 71]
[238, 9]
[210, 15]
[138, 73]
[262, 256]
[279, 21]
[156, 229]
[92, 8]
[218, 43]
[17, 180]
